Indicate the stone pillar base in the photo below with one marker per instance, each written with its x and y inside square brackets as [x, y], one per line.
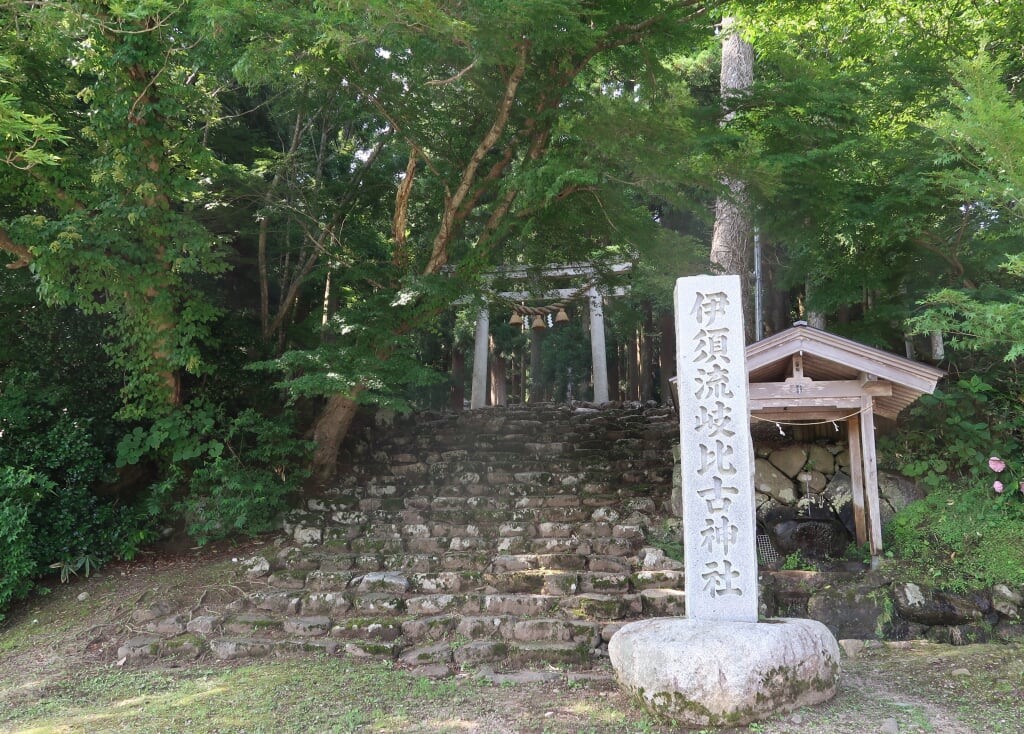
[703, 673]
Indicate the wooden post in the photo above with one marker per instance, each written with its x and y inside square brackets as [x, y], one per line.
[871, 501]
[857, 479]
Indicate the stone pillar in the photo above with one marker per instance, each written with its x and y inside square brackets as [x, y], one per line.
[478, 398]
[719, 520]
[597, 348]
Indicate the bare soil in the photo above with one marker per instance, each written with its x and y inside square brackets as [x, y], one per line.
[76, 629]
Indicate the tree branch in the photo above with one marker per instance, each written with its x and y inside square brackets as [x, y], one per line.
[20, 251]
[261, 252]
[449, 80]
[439, 252]
[398, 222]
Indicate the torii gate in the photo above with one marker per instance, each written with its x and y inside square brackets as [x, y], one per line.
[478, 398]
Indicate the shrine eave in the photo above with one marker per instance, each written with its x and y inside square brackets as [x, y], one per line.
[831, 367]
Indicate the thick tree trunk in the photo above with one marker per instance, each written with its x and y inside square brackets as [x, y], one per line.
[732, 240]
[329, 431]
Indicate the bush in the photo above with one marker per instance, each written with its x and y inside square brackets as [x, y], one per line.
[962, 537]
[228, 475]
[18, 566]
[950, 434]
[50, 520]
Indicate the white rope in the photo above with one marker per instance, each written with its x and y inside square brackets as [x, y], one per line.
[833, 421]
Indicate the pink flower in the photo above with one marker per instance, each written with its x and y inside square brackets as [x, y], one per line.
[996, 464]
[1022, 487]
[998, 487]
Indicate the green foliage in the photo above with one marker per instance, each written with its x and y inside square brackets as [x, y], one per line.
[952, 432]
[669, 539]
[45, 526]
[18, 565]
[229, 475]
[989, 319]
[796, 561]
[963, 536]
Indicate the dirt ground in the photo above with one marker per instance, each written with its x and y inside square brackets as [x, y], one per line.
[886, 687]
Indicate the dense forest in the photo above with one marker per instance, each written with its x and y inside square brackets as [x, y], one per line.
[226, 225]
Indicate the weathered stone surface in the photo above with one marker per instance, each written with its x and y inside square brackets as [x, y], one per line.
[964, 634]
[703, 673]
[895, 493]
[256, 567]
[326, 602]
[771, 482]
[1006, 601]
[480, 651]
[603, 583]
[789, 460]
[826, 538]
[653, 559]
[383, 582]
[663, 602]
[821, 459]
[558, 630]
[368, 629]
[157, 609]
[205, 624]
[314, 626]
[282, 602]
[226, 649]
[138, 648]
[598, 606]
[428, 628]
[439, 653]
[658, 580]
[852, 611]
[928, 606]
[485, 628]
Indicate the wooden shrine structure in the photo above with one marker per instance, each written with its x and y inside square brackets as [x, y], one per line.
[805, 375]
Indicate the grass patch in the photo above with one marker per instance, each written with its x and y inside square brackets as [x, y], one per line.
[316, 694]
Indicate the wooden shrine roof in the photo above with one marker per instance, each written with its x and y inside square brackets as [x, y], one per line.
[825, 357]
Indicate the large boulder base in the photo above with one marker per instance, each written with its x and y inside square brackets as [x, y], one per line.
[702, 673]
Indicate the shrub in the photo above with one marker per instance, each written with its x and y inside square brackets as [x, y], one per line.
[228, 475]
[19, 489]
[951, 433]
[50, 520]
[962, 537]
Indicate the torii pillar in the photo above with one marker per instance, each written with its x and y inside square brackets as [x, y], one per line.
[478, 398]
[597, 348]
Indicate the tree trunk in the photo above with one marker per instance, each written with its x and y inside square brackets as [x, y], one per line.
[499, 377]
[633, 366]
[732, 240]
[668, 354]
[458, 396]
[536, 388]
[647, 359]
[329, 431]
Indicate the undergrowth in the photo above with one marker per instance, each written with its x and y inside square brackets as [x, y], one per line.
[962, 537]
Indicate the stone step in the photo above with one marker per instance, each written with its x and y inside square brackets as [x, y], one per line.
[507, 536]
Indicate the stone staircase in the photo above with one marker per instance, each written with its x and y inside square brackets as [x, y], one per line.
[504, 537]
